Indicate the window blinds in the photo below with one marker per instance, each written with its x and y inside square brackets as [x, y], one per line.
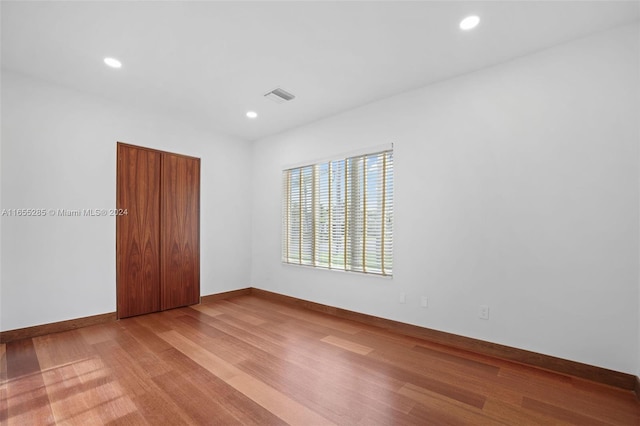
[339, 214]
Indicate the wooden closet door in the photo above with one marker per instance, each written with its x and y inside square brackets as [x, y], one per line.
[180, 231]
[138, 232]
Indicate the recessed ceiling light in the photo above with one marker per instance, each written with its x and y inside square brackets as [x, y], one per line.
[252, 114]
[113, 63]
[469, 23]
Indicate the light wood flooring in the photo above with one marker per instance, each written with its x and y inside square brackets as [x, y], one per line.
[248, 360]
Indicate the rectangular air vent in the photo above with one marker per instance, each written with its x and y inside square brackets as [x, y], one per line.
[279, 95]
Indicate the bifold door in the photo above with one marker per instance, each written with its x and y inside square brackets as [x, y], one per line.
[180, 231]
[158, 239]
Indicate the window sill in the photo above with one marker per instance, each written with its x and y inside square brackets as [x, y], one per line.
[320, 268]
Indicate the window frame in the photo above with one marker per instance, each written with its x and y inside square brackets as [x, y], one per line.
[313, 216]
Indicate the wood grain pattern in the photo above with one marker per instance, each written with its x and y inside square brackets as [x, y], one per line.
[55, 327]
[4, 415]
[589, 372]
[180, 231]
[137, 233]
[601, 375]
[294, 366]
[28, 402]
[225, 295]
[347, 344]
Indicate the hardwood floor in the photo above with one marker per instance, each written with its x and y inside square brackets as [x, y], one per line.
[248, 360]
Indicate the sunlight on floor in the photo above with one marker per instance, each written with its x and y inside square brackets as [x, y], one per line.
[79, 392]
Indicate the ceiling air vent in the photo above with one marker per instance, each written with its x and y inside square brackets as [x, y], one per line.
[278, 95]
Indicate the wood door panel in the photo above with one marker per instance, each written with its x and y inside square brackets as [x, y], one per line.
[180, 231]
[137, 233]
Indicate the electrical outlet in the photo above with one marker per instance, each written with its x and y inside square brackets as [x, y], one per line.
[424, 302]
[403, 297]
[483, 312]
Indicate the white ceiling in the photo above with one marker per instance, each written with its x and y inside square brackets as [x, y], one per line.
[210, 62]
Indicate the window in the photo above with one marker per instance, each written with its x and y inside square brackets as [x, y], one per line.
[339, 214]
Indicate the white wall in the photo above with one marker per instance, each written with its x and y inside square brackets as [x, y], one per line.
[516, 187]
[0, 201]
[59, 151]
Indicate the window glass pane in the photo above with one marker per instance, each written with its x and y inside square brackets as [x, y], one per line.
[374, 208]
[306, 216]
[388, 215]
[356, 211]
[339, 214]
[322, 220]
[294, 217]
[285, 216]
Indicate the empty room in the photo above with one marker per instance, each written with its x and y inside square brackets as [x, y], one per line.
[320, 212]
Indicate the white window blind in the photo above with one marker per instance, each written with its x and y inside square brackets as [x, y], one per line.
[339, 214]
